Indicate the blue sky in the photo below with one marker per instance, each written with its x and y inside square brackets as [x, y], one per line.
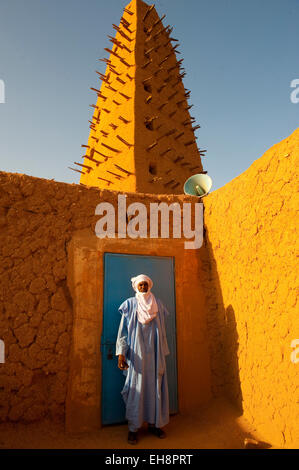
[240, 58]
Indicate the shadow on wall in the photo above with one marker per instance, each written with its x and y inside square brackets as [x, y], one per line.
[231, 346]
[223, 335]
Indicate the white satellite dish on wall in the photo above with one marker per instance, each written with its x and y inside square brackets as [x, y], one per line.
[198, 185]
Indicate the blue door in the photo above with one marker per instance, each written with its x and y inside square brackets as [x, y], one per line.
[118, 270]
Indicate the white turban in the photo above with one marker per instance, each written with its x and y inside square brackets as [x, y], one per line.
[147, 307]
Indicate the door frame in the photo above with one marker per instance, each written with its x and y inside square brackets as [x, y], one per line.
[85, 275]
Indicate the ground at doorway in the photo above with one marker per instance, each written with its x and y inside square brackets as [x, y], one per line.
[217, 426]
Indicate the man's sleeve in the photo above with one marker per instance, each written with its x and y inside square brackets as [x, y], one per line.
[122, 336]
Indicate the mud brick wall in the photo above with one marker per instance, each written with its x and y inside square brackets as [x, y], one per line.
[252, 231]
[37, 219]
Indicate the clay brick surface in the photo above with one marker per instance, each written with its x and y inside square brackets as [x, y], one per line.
[38, 218]
[252, 289]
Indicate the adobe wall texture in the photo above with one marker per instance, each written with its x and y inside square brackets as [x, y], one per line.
[248, 274]
[38, 219]
[252, 232]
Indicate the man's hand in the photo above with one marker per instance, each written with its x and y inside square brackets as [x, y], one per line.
[122, 363]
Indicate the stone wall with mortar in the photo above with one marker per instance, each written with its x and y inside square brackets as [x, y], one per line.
[38, 219]
[252, 231]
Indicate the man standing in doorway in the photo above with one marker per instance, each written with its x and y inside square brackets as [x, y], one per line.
[141, 348]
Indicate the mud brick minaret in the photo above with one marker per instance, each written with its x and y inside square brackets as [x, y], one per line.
[141, 133]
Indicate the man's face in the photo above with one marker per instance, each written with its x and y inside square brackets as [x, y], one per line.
[142, 286]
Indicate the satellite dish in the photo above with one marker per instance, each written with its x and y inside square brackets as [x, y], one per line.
[198, 185]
